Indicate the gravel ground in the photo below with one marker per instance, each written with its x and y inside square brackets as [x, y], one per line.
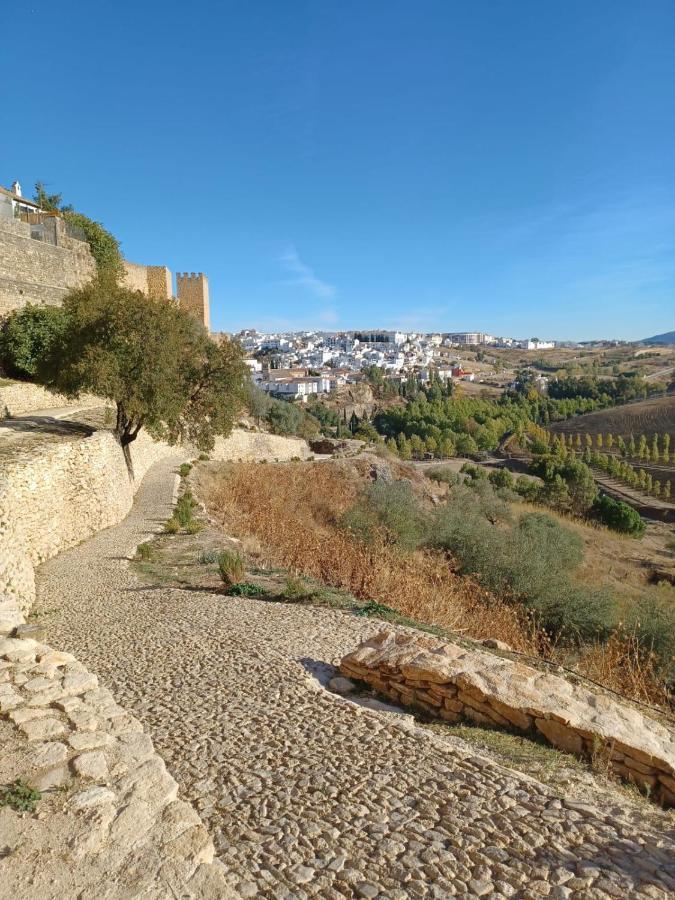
[307, 794]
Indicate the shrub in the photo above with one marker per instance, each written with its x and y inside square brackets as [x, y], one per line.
[146, 551]
[27, 336]
[185, 470]
[231, 566]
[172, 526]
[208, 557]
[184, 509]
[203, 457]
[528, 489]
[391, 508]
[618, 516]
[501, 478]
[528, 563]
[295, 590]
[193, 527]
[443, 474]
[247, 589]
[19, 796]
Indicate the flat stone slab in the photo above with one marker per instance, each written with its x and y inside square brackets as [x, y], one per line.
[451, 683]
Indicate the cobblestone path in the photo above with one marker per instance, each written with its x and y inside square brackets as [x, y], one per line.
[306, 794]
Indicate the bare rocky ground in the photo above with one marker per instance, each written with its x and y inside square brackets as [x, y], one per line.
[305, 793]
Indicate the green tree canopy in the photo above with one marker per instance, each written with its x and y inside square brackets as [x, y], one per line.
[155, 362]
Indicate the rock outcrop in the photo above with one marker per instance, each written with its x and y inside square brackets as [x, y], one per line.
[450, 682]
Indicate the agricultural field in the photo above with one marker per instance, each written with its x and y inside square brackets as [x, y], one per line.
[653, 363]
[648, 417]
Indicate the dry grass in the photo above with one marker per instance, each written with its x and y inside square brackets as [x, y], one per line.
[292, 511]
[621, 665]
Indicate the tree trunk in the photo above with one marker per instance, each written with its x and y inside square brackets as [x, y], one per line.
[126, 431]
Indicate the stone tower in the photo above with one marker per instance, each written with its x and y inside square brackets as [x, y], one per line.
[193, 295]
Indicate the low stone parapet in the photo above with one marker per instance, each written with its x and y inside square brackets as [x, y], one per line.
[108, 822]
[256, 446]
[450, 682]
[17, 398]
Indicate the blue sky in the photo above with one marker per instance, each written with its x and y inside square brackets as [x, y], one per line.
[502, 165]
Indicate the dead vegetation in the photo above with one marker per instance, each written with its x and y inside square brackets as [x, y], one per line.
[294, 511]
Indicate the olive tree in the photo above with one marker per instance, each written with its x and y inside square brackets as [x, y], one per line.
[154, 361]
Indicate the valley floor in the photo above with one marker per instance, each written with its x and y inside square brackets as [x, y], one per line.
[305, 793]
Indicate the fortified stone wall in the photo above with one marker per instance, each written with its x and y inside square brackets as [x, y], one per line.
[33, 271]
[63, 494]
[192, 290]
[155, 281]
[254, 446]
[449, 682]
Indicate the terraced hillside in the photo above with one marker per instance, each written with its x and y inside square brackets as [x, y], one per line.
[648, 417]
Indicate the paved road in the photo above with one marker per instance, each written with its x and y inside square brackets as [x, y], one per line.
[306, 794]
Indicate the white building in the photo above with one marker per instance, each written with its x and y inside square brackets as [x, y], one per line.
[536, 344]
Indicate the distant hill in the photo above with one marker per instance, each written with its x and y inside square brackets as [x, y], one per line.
[667, 338]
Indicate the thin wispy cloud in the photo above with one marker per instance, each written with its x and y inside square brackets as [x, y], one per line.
[303, 275]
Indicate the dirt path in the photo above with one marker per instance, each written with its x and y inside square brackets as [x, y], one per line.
[304, 793]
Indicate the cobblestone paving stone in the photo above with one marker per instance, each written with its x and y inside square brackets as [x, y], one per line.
[306, 794]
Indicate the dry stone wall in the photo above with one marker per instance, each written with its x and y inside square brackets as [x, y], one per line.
[20, 397]
[452, 683]
[58, 496]
[255, 446]
[109, 822]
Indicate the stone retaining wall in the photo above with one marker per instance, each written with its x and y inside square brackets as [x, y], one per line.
[20, 397]
[109, 823]
[452, 683]
[255, 446]
[60, 495]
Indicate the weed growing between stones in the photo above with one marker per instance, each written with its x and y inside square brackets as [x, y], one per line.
[19, 796]
[185, 470]
[145, 552]
[172, 526]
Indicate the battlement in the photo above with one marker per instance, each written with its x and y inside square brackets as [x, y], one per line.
[192, 289]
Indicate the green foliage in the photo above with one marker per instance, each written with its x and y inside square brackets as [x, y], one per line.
[528, 562]
[232, 566]
[185, 470]
[502, 478]
[184, 509]
[618, 516]
[172, 526]
[19, 796]
[390, 510]
[27, 336]
[146, 552]
[374, 610]
[152, 359]
[296, 590]
[193, 527]
[288, 419]
[247, 589]
[576, 476]
[208, 557]
[443, 474]
[104, 246]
